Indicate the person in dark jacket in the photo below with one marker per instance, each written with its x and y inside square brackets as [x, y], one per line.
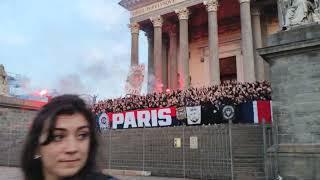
[61, 143]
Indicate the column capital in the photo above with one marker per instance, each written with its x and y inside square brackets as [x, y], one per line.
[182, 13]
[255, 11]
[244, 1]
[211, 5]
[135, 27]
[157, 21]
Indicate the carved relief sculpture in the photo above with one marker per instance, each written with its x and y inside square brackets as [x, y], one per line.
[299, 12]
[317, 10]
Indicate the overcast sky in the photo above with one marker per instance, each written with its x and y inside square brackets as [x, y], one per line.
[73, 46]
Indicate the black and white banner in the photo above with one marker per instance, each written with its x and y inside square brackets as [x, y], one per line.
[194, 115]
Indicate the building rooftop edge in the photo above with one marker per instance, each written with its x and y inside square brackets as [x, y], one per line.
[133, 4]
[20, 103]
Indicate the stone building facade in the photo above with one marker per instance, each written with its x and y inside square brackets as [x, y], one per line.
[194, 43]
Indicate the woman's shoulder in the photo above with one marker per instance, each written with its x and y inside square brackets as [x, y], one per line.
[99, 176]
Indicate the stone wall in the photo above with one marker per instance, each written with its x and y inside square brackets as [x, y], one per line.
[15, 118]
[294, 58]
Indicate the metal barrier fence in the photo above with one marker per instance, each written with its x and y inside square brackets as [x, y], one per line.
[202, 152]
[196, 152]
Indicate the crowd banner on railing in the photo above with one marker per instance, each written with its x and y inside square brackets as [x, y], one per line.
[135, 80]
[250, 112]
[153, 117]
[194, 115]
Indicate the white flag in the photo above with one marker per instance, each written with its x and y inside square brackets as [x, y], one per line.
[194, 115]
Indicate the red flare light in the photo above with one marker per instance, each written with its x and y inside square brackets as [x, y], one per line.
[43, 92]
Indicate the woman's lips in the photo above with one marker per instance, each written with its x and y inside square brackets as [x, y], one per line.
[70, 163]
[69, 160]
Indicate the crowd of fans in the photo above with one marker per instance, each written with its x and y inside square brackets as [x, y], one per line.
[229, 92]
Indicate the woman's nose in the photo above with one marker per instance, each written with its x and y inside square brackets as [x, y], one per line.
[71, 145]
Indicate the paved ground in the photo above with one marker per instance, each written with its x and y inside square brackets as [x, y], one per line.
[11, 173]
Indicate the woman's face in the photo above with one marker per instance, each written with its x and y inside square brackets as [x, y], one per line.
[67, 154]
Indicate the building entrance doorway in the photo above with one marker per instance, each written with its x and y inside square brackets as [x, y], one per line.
[228, 68]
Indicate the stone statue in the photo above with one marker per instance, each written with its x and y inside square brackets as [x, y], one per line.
[4, 88]
[317, 10]
[299, 12]
[317, 4]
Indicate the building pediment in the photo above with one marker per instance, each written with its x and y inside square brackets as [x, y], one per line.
[141, 10]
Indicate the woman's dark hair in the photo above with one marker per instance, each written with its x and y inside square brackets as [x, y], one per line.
[46, 118]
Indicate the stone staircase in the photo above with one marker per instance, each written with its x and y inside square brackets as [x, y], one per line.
[248, 153]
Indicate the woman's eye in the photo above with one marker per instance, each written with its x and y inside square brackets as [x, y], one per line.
[57, 138]
[83, 136]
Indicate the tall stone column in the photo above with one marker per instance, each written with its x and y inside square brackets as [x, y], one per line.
[183, 15]
[256, 27]
[240, 72]
[157, 54]
[214, 67]
[134, 43]
[173, 58]
[165, 62]
[151, 78]
[246, 41]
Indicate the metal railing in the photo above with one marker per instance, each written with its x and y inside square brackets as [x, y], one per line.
[270, 150]
[203, 151]
[210, 157]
